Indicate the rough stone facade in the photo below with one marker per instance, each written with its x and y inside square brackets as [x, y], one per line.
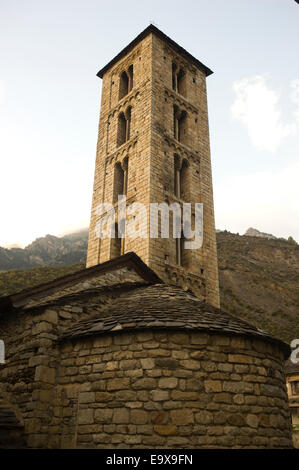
[171, 389]
[103, 367]
[150, 150]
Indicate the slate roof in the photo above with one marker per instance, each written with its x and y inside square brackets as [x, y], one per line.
[164, 306]
[43, 293]
[153, 29]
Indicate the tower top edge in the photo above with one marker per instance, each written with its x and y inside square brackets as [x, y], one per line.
[151, 29]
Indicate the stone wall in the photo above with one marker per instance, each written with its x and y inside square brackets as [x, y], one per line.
[170, 389]
[145, 388]
[150, 151]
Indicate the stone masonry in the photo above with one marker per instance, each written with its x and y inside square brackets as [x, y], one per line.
[105, 365]
[150, 150]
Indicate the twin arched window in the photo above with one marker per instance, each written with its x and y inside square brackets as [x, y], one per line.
[126, 82]
[178, 79]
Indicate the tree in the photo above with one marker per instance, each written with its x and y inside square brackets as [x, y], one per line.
[291, 239]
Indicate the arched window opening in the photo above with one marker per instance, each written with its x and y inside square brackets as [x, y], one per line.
[184, 252]
[128, 121]
[119, 180]
[122, 231]
[181, 82]
[130, 75]
[178, 251]
[177, 179]
[179, 124]
[182, 255]
[178, 79]
[175, 122]
[174, 76]
[126, 82]
[120, 184]
[124, 126]
[121, 131]
[125, 167]
[123, 85]
[184, 181]
[181, 178]
[182, 127]
[115, 249]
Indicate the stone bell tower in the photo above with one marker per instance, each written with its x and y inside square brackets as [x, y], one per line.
[153, 147]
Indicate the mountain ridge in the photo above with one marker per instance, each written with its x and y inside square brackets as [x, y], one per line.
[258, 277]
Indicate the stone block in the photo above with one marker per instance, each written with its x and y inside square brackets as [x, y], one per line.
[182, 417]
[240, 358]
[85, 416]
[147, 363]
[190, 364]
[50, 316]
[98, 385]
[45, 374]
[252, 420]
[165, 363]
[110, 365]
[103, 415]
[121, 416]
[225, 367]
[102, 341]
[125, 395]
[165, 430]
[204, 417]
[223, 398]
[212, 386]
[139, 417]
[199, 338]
[127, 364]
[118, 384]
[183, 395]
[145, 383]
[168, 382]
[237, 387]
[159, 395]
[87, 397]
[236, 419]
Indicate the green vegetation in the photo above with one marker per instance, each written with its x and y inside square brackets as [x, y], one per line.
[15, 280]
[259, 282]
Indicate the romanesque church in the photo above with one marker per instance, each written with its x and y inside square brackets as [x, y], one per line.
[134, 351]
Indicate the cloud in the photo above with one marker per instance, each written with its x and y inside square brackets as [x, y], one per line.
[266, 200]
[2, 91]
[256, 106]
[295, 97]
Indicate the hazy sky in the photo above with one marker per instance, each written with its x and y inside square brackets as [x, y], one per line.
[50, 52]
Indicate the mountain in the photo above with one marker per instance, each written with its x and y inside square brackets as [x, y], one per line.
[259, 282]
[47, 251]
[258, 276]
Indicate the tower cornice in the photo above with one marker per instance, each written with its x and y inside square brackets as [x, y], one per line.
[151, 29]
